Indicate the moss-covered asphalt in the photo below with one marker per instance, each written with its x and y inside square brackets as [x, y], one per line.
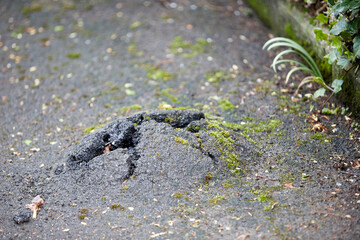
[263, 164]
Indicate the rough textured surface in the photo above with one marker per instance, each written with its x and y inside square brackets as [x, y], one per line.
[69, 67]
[22, 216]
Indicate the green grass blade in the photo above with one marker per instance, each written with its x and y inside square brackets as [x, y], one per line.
[290, 61]
[285, 42]
[304, 81]
[279, 55]
[294, 70]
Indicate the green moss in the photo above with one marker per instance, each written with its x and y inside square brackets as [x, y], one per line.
[73, 55]
[227, 184]
[92, 128]
[287, 178]
[182, 141]
[126, 109]
[322, 137]
[155, 73]
[207, 178]
[18, 31]
[177, 195]
[217, 200]
[188, 49]
[290, 32]
[251, 127]
[264, 193]
[262, 11]
[117, 207]
[329, 111]
[31, 9]
[226, 105]
[133, 50]
[135, 25]
[214, 76]
[107, 105]
[285, 103]
[223, 138]
[83, 213]
[168, 93]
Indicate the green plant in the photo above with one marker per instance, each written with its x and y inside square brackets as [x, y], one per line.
[308, 66]
[343, 21]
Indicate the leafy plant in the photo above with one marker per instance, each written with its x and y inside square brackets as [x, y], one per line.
[343, 20]
[308, 66]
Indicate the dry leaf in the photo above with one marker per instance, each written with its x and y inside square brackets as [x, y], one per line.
[313, 118]
[34, 206]
[242, 236]
[319, 127]
[289, 185]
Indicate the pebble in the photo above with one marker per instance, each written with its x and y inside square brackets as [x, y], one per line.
[22, 216]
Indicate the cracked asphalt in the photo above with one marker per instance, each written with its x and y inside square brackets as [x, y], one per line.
[260, 163]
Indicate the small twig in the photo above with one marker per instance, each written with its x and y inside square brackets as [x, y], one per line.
[162, 62]
[124, 182]
[60, 216]
[332, 93]
[331, 214]
[68, 145]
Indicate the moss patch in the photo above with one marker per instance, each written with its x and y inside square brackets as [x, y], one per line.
[92, 128]
[223, 138]
[83, 213]
[127, 109]
[177, 195]
[117, 207]
[216, 200]
[188, 49]
[226, 105]
[261, 10]
[155, 73]
[135, 25]
[322, 137]
[168, 93]
[73, 55]
[133, 50]
[264, 193]
[182, 141]
[215, 76]
[31, 9]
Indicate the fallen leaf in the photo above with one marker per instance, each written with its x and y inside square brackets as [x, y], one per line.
[313, 118]
[319, 127]
[242, 236]
[289, 185]
[34, 206]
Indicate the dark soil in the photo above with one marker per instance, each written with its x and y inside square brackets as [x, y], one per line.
[240, 158]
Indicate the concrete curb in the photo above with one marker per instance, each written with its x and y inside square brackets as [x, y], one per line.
[286, 20]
